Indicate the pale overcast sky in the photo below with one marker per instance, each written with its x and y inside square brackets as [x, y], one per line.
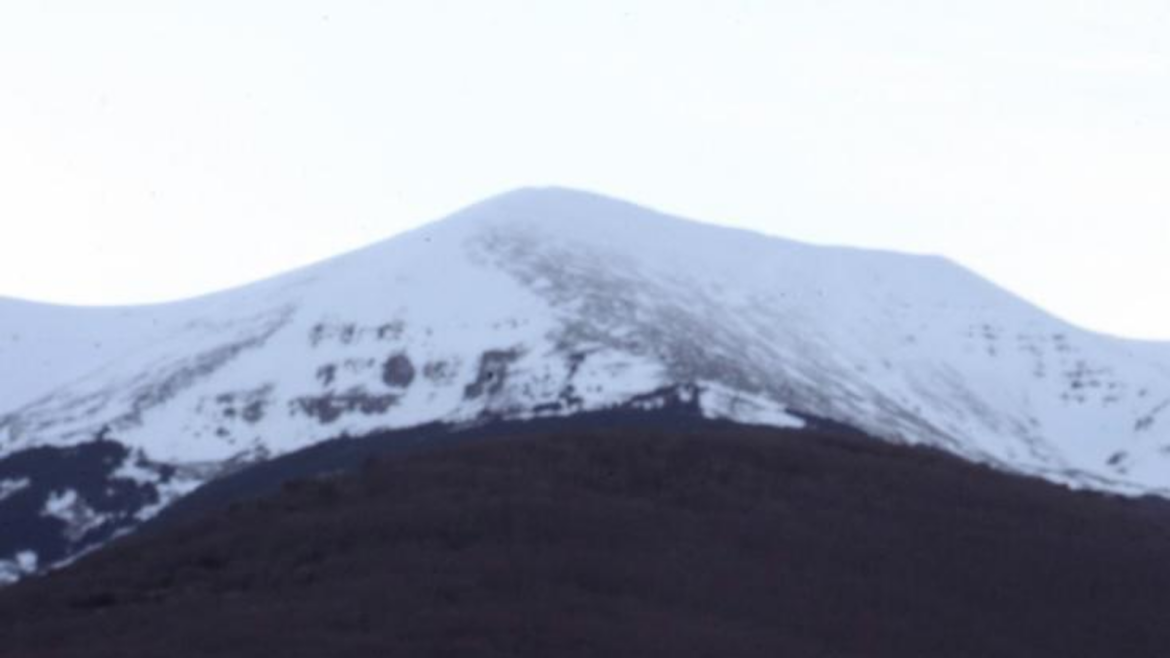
[154, 150]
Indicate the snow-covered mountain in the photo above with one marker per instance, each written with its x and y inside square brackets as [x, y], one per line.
[544, 302]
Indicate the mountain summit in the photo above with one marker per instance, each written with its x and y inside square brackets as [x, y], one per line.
[550, 302]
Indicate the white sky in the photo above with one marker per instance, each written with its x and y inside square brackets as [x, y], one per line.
[155, 150]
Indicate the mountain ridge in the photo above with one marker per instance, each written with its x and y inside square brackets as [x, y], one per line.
[551, 302]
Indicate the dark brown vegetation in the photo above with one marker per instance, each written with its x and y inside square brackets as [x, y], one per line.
[713, 541]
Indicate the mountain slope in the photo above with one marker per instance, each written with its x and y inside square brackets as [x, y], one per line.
[704, 540]
[551, 302]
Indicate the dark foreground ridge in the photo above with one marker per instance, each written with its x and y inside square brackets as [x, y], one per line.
[709, 540]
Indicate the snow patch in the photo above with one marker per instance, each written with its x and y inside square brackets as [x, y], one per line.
[22, 564]
[718, 401]
[178, 485]
[11, 487]
[134, 469]
[69, 507]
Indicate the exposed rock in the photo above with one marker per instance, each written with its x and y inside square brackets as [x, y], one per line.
[398, 371]
[70, 499]
[439, 372]
[326, 374]
[249, 405]
[330, 407]
[493, 372]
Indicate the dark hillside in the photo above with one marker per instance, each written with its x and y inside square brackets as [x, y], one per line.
[711, 541]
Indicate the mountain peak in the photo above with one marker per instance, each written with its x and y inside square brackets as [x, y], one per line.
[547, 302]
[561, 206]
[553, 196]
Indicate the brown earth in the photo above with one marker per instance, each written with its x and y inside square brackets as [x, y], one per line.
[708, 541]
